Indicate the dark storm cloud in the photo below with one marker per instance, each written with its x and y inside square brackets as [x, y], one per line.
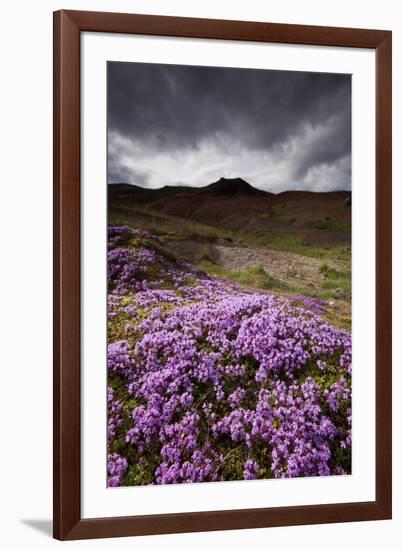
[173, 123]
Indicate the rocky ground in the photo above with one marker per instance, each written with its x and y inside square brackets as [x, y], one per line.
[285, 267]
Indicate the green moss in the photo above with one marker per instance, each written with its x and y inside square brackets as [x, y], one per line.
[232, 466]
[204, 255]
[254, 276]
[339, 281]
[293, 242]
[142, 471]
[277, 208]
[339, 320]
[324, 378]
[334, 225]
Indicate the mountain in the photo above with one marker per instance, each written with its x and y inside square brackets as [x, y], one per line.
[224, 187]
[232, 187]
[135, 192]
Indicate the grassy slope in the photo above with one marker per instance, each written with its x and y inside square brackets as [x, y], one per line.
[335, 266]
[179, 228]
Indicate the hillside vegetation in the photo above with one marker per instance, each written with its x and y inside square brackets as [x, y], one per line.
[213, 380]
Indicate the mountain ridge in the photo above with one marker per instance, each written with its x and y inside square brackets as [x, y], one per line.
[225, 187]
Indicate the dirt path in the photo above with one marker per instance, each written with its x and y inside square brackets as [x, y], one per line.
[285, 267]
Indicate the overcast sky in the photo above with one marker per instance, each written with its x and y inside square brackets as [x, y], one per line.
[179, 125]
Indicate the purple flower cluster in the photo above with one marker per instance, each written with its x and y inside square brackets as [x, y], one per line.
[209, 382]
[116, 466]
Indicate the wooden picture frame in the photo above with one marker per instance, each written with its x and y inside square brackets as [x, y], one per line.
[68, 26]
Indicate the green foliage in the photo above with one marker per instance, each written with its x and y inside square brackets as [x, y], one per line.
[339, 319]
[287, 241]
[163, 225]
[254, 276]
[204, 255]
[338, 280]
[278, 215]
[325, 378]
[277, 208]
[334, 225]
[141, 470]
[232, 465]
[324, 268]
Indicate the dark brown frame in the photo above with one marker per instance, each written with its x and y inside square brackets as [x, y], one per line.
[68, 26]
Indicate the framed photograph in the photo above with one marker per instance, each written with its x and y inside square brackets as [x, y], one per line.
[222, 257]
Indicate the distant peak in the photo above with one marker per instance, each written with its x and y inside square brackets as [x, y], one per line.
[231, 186]
[222, 179]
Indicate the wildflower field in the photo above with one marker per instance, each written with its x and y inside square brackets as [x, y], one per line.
[210, 381]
